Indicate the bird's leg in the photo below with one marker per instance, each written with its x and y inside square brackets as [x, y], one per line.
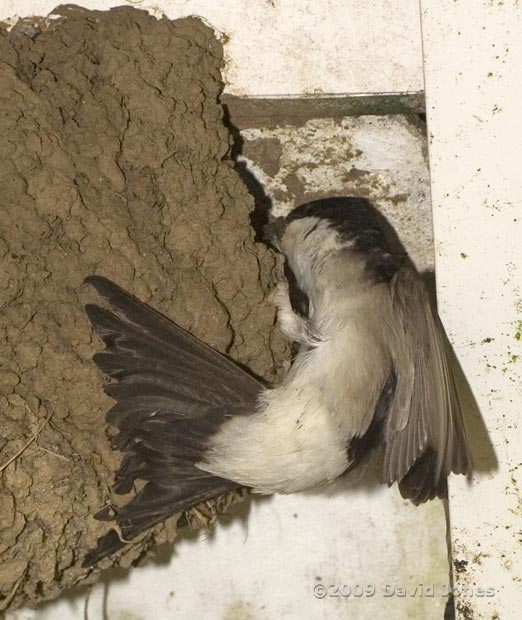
[295, 327]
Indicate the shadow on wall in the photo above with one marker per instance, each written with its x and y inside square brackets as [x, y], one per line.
[263, 203]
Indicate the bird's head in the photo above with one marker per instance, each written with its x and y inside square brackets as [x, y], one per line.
[338, 241]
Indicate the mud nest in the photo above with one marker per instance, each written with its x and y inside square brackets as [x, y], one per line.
[115, 161]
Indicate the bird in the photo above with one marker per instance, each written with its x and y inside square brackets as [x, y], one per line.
[371, 375]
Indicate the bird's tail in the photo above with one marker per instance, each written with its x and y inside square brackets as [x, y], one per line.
[172, 393]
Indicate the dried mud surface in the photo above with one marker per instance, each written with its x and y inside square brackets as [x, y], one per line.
[115, 161]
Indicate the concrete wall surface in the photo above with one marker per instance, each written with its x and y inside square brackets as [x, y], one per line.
[473, 91]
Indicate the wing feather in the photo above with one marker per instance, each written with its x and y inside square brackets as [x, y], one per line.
[425, 414]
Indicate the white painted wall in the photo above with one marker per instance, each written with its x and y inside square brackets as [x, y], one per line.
[473, 62]
[266, 567]
[295, 47]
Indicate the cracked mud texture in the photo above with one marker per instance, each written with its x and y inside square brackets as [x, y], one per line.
[115, 161]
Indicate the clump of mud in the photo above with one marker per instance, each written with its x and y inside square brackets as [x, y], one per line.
[115, 161]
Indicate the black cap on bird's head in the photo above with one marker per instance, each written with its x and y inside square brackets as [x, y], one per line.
[344, 223]
[354, 218]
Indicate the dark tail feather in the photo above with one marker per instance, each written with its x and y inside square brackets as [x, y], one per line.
[422, 483]
[172, 392]
[151, 506]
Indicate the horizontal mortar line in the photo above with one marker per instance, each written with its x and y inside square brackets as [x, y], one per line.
[245, 111]
[401, 93]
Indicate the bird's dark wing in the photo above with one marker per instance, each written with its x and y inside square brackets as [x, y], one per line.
[172, 392]
[425, 434]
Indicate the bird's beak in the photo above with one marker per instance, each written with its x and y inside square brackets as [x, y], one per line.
[274, 230]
